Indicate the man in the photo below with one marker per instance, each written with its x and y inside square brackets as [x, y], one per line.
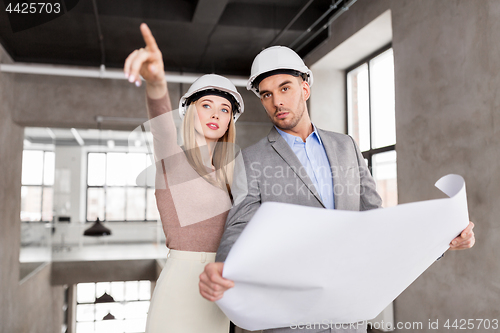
[296, 163]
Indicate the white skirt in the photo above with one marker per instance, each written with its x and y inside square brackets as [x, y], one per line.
[176, 305]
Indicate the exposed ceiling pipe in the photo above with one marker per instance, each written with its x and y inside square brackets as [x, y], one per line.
[330, 21]
[26, 68]
[120, 120]
[285, 29]
[312, 26]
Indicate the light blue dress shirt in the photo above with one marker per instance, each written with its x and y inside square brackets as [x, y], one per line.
[313, 157]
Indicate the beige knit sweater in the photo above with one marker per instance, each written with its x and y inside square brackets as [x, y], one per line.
[193, 211]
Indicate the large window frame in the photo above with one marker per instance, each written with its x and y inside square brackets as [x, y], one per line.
[148, 190]
[373, 151]
[90, 311]
[43, 186]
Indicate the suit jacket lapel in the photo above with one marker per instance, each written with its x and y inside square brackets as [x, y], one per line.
[286, 153]
[331, 149]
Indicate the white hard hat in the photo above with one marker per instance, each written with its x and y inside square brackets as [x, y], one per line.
[277, 60]
[212, 84]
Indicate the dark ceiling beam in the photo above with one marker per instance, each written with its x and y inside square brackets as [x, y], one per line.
[264, 16]
[209, 11]
[172, 10]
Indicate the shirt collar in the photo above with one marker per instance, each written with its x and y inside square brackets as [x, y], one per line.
[291, 139]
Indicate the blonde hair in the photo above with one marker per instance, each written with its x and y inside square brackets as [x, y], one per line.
[223, 155]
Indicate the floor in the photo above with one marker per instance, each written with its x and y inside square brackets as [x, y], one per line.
[94, 252]
[111, 252]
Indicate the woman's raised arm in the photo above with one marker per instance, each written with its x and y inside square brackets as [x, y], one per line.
[148, 63]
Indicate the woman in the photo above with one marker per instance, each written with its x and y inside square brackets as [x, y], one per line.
[192, 187]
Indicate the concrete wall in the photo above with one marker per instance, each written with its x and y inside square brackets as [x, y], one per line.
[327, 99]
[33, 306]
[447, 121]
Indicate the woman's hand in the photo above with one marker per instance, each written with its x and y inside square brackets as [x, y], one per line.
[146, 62]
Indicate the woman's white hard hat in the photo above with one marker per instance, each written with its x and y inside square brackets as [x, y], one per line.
[277, 59]
[216, 84]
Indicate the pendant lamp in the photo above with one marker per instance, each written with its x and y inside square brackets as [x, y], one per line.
[105, 298]
[97, 229]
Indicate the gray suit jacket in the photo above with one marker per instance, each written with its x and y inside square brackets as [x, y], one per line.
[274, 173]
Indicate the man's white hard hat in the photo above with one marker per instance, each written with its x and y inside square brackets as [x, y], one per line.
[212, 84]
[277, 60]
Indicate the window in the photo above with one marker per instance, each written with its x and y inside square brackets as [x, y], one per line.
[112, 306]
[112, 191]
[37, 182]
[371, 119]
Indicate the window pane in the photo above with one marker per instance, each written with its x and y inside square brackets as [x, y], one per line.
[134, 325]
[101, 288]
[115, 204]
[382, 100]
[31, 203]
[136, 310]
[116, 309]
[117, 169]
[102, 309]
[48, 169]
[118, 291]
[385, 175]
[95, 204]
[107, 326]
[96, 169]
[135, 165]
[358, 106]
[85, 327]
[152, 213]
[136, 203]
[85, 292]
[47, 204]
[131, 290]
[85, 312]
[32, 169]
[144, 290]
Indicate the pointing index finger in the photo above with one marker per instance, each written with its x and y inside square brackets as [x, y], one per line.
[148, 37]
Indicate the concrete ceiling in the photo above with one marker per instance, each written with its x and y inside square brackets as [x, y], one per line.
[197, 36]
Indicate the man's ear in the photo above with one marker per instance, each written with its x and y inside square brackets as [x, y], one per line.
[306, 90]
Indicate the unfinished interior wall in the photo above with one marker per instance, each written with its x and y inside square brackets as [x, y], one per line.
[446, 57]
[447, 121]
[33, 306]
